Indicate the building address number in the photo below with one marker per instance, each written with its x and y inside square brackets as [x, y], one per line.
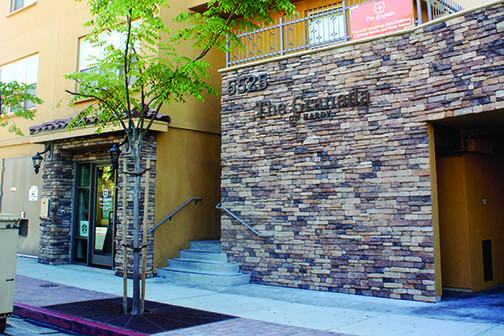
[247, 84]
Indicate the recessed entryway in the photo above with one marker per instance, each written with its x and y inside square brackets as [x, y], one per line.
[470, 191]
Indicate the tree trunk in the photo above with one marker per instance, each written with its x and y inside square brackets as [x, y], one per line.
[136, 306]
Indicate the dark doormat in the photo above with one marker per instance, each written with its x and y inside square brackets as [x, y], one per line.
[159, 317]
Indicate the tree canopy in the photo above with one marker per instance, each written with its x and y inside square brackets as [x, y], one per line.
[16, 100]
[143, 73]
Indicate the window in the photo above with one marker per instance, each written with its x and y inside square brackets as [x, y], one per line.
[325, 28]
[89, 52]
[17, 4]
[22, 71]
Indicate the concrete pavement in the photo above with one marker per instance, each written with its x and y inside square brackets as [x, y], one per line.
[18, 326]
[283, 311]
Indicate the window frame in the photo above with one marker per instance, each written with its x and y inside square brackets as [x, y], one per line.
[25, 4]
[331, 32]
[114, 38]
[31, 63]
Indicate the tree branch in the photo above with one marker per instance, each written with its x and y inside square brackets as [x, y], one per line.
[153, 117]
[216, 36]
[126, 72]
[111, 108]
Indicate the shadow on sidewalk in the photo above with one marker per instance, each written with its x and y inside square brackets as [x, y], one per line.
[485, 306]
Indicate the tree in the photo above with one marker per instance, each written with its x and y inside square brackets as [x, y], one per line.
[143, 73]
[16, 100]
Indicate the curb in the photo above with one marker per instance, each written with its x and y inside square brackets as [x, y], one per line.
[70, 322]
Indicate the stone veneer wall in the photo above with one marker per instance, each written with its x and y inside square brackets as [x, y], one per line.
[348, 197]
[58, 186]
[56, 231]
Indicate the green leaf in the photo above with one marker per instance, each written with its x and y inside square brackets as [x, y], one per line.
[148, 71]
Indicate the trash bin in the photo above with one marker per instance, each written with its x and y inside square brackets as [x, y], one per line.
[9, 227]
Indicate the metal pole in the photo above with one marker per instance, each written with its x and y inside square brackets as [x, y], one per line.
[429, 10]
[345, 18]
[145, 219]
[282, 49]
[125, 243]
[227, 54]
[419, 10]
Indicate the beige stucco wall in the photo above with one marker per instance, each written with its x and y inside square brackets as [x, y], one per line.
[189, 166]
[52, 30]
[466, 222]
[15, 182]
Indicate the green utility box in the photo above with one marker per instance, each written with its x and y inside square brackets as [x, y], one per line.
[9, 227]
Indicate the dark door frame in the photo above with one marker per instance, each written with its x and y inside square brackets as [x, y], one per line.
[91, 259]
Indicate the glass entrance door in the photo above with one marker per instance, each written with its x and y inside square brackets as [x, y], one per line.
[94, 215]
[103, 231]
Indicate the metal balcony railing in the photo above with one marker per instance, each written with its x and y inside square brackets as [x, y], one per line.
[316, 27]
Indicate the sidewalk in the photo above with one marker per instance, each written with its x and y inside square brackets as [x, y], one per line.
[259, 309]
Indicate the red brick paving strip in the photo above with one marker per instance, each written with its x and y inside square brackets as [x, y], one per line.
[31, 294]
[40, 293]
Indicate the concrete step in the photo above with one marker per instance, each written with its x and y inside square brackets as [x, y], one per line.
[206, 280]
[203, 255]
[206, 245]
[203, 266]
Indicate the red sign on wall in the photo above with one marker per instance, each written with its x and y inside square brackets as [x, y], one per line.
[380, 17]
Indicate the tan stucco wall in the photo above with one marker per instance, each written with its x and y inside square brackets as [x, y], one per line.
[465, 3]
[484, 177]
[189, 151]
[188, 166]
[454, 225]
[50, 29]
[15, 199]
[464, 180]
[194, 114]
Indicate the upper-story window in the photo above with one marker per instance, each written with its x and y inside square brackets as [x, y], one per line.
[22, 71]
[90, 52]
[326, 27]
[18, 4]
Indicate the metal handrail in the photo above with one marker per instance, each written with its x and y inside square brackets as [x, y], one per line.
[220, 207]
[169, 217]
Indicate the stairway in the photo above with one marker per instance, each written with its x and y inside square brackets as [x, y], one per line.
[203, 265]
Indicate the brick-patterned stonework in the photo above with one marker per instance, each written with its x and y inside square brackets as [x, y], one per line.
[347, 197]
[58, 186]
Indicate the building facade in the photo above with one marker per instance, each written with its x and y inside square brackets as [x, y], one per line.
[73, 208]
[368, 165]
[361, 142]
